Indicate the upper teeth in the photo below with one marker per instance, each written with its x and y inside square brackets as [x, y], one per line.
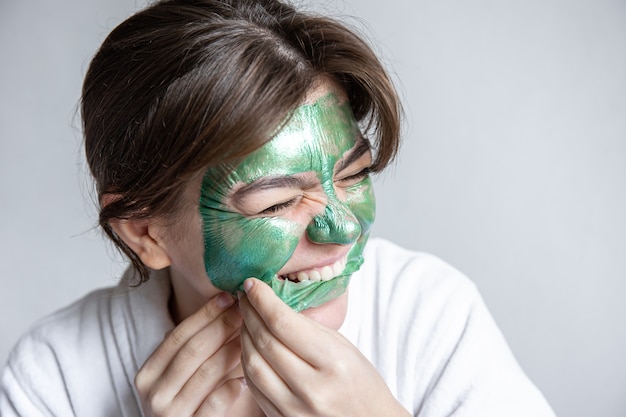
[325, 273]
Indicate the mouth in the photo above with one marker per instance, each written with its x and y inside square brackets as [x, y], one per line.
[313, 287]
[324, 273]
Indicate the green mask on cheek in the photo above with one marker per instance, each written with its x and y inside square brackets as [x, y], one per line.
[237, 247]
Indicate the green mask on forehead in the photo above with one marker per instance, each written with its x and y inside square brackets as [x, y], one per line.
[237, 247]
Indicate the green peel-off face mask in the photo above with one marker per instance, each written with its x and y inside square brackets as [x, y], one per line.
[238, 246]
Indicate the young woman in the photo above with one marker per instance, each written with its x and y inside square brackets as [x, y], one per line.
[231, 142]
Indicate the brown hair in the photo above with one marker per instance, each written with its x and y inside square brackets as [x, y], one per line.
[184, 85]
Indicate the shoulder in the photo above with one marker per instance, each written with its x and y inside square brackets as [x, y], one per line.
[426, 328]
[83, 328]
[82, 359]
[68, 327]
[399, 292]
[48, 352]
[65, 326]
[400, 274]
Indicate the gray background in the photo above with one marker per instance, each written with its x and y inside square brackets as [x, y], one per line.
[513, 169]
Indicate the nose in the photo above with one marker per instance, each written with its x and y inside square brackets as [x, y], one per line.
[336, 225]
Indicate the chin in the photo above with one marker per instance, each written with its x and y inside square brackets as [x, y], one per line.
[331, 314]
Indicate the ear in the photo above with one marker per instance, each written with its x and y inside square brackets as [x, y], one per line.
[141, 237]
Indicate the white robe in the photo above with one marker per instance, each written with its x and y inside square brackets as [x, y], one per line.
[419, 321]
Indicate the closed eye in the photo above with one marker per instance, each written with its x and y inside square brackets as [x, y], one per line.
[278, 207]
[354, 178]
[270, 196]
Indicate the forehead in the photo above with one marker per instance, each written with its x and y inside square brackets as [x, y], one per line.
[315, 137]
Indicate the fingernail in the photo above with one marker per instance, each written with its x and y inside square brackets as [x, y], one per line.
[225, 300]
[247, 285]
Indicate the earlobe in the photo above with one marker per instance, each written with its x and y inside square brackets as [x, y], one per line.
[140, 236]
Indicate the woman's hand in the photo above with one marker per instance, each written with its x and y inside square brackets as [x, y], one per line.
[190, 373]
[295, 366]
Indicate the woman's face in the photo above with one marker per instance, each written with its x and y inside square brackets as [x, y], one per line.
[297, 212]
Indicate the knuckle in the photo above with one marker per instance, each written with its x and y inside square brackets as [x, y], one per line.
[221, 399]
[263, 342]
[141, 382]
[231, 321]
[206, 371]
[178, 336]
[156, 403]
[215, 403]
[341, 368]
[144, 381]
[251, 368]
[195, 349]
[280, 323]
[207, 311]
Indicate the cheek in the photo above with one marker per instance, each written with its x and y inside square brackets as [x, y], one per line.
[236, 248]
[184, 241]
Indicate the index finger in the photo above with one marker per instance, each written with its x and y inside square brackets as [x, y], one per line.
[156, 364]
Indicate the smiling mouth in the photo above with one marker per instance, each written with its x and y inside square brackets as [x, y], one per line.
[325, 273]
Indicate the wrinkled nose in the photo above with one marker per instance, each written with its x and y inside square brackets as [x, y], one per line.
[337, 225]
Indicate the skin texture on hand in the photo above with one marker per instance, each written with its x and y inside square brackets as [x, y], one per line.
[295, 366]
[194, 371]
[292, 364]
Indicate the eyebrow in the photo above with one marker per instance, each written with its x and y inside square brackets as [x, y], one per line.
[270, 183]
[361, 147]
